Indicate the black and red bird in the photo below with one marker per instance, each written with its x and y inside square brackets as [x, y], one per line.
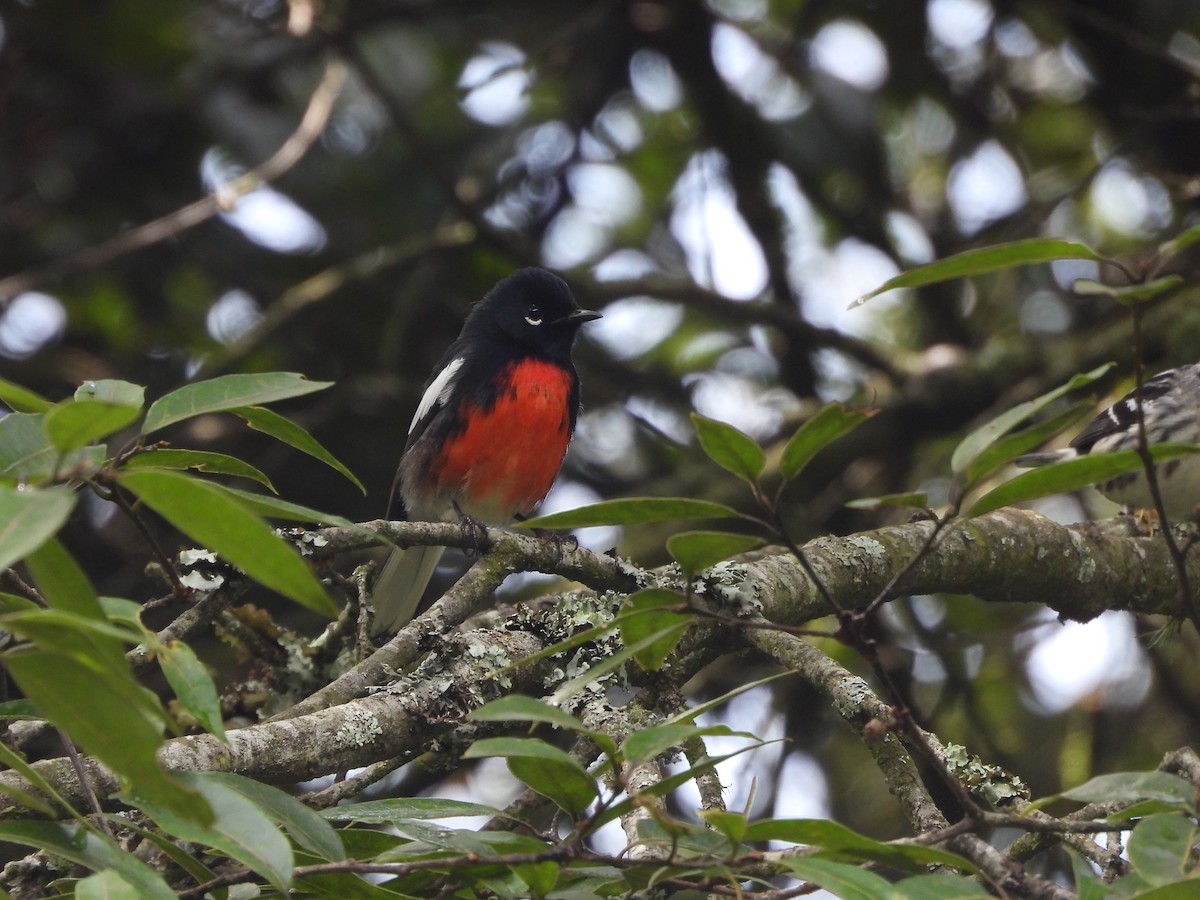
[492, 427]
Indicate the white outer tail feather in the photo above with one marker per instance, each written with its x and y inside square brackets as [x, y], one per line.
[401, 584]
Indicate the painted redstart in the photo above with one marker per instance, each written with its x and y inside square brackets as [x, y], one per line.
[492, 426]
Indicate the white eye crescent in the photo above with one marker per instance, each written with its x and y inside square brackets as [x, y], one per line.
[533, 316]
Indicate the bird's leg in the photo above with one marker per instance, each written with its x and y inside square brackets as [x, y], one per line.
[475, 531]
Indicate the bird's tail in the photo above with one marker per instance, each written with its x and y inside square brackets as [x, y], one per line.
[401, 584]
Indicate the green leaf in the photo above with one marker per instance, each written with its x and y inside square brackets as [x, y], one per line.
[111, 390]
[193, 686]
[90, 849]
[1072, 474]
[979, 440]
[849, 844]
[35, 801]
[826, 426]
[30, 517]
[731, 825]
[104, 711]
[63, 584]
[383, 812]
[239, 829]
[274, 508]
[1007, 448]
[283, 429]
[519, 708]
[631, 511]
[1177, 244]
[20, 399]
[1125, 787]
[917, 499]
[224, 393]
[1127, 294]
[942, 886]
[729, 448]
[983, 260]
[27, 455]
[106, 885]
[695, 551]
[304, 825]
[99, 409]
[210, 514]
[646, 743]
[1160, 847]
[543, 767]
[201, 461]
[655, 627]
[844, 881]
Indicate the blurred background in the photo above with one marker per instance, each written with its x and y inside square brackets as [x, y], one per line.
[722, 179]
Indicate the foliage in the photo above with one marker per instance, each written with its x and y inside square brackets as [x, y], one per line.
[706, 174]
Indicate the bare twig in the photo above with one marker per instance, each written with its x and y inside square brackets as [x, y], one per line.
[320, 106]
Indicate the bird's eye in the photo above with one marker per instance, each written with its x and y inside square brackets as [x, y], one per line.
[533, 315]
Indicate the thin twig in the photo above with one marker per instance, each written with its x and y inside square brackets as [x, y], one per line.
[1178, 559]
[320, 106]
[86, 782]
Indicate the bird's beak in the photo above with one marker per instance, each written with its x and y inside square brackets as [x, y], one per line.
[579, 317]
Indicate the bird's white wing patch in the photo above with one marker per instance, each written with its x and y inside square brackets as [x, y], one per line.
[437, 393]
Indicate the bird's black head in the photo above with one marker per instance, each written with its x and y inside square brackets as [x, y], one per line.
[533, 308]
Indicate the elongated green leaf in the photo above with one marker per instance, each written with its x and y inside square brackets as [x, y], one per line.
[103, 710]
[238, 828]
[193, 686]
[383, 812]
[1007, 448]
[729, 448]
[213, 516]
[844, 881]
[225, 393]
[943, 886]
[98, 409]
[695, 551]
[283, 429]
[1180, 242]
[646, 743]
[20, 399]
[983, 260]
[90, 849]
[30, 517]
[818, 432]
[1123, 787]
[1128, 294]
[1160, 848]
[975, 443]
[732, 825]
[303, 824]
[657, 627]
[1072, 475]
[74, 423]
[64, 585]
[47, 628]
[106, 885]
[849, 844]
[10, 759]
[631, 511]
[666, 785]
[201, 461]
[274, 508]
[519, 708]
[543, 767]
[28, 456]
[112, 390]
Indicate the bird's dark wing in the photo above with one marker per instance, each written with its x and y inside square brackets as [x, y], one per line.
[1122, 415]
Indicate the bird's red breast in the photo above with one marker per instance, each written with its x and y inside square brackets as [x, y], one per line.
[506, 457]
